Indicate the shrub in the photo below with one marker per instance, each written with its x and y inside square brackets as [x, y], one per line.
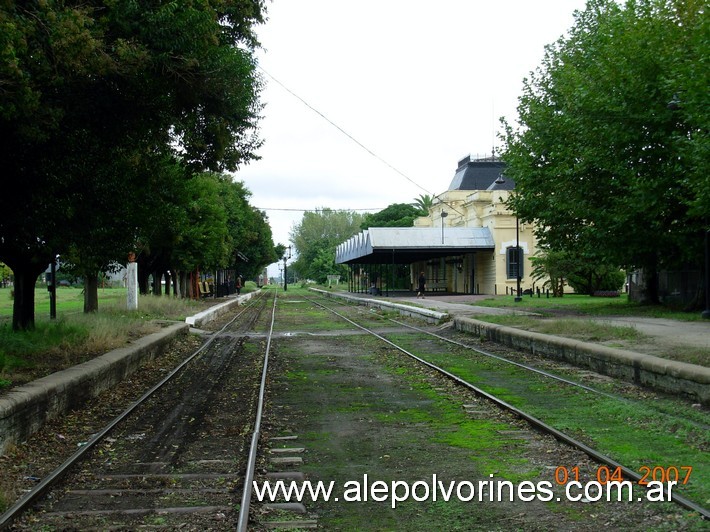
[599, 278]
[606, 293]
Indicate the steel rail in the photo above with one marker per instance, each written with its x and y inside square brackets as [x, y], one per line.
[24, 502]
[253, 448]
[541, 372]
[503, 359]
[535, 422]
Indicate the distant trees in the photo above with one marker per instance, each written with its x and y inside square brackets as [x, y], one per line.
[107, 107]
[203, 226]
[320, 232]
[395, 215]
[610, 159]
[316, 237]
[5, 273]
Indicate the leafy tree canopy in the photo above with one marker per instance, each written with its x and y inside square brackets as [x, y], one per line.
[94, 91]
[207, 224]
[424, 202]
[317, 236]
[601, 161]
[558, 268]
[395, 215]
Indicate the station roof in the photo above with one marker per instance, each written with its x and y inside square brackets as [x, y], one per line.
[480, 174]
[404, 245]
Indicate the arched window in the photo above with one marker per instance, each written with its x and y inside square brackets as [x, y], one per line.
[514, 262]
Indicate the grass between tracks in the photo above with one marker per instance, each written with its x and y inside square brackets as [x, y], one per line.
[358, 408]
[75, 337]
[646, 431]
[390, 428]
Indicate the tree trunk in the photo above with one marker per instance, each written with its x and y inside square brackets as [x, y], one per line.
[186, 284]
[174, 276]
[142, 280]
[646, 291]
[91, 292]
[157, 287]
[23, 306]
[195, 285]
[652, 286]
[182, 284]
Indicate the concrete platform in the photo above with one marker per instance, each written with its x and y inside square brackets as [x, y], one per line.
[25, 409]
[670, 376]
[220, 308]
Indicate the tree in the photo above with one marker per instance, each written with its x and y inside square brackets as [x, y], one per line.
[603, 165]
[591, 278]
[557, 268]
[204, 225]
[100, 233]
[5, 274]
[89, 84]
[317, 236]
[423, 203]
[248, 229]
[395, 215]
[260, 249]
[553, 268]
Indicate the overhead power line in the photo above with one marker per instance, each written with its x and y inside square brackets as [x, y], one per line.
[368, 150]
[316, 209]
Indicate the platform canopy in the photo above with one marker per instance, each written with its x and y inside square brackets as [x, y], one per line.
[404, 245]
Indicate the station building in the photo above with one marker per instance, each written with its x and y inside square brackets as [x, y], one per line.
[469, 243]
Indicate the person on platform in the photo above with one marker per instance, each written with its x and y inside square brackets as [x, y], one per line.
[422, 285]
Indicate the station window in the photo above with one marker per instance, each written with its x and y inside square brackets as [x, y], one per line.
[513, 262]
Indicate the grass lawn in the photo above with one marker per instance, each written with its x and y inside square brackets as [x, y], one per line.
[588, 306]
[69, 300]
[75, 337]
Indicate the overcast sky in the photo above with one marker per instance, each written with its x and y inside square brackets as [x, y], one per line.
[419, 83]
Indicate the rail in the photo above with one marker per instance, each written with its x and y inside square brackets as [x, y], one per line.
[29, 498]
[535, 422]
[251, 463]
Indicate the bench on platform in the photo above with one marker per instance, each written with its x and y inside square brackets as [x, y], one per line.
[206, 289]
[437, 286]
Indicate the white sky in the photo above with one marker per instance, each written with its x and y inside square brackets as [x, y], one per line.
[419, 83]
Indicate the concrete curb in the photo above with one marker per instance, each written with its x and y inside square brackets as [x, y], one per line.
[212, 313]
[24, 410]
[669, 376]
[430, 316]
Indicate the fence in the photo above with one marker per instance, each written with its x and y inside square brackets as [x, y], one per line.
[680, 288]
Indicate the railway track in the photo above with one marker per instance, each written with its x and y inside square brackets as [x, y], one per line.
[554, 376]
[606, 461]
[175, 458]
[185, 455]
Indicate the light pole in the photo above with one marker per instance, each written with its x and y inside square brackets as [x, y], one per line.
[518, 256]
[518, 299]
[286, 256]
[444, 214]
